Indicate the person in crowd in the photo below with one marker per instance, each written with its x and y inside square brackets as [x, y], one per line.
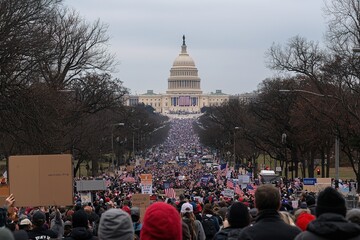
[40, 231]
[195, 227]
[25, 224]
[115, 224]
[80, 227]
[135, 217]
[185, 231]
[269, 224]
[237, 217]
[209, 222]
[303, 220]
[330, 222]
[161, 222]
[287, 218]
[67, 228]
[6, 234]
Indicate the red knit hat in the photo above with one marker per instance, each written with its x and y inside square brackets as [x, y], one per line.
[304, 219]
[161, 221]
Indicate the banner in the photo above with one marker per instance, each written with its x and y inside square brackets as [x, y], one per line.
[90, 185]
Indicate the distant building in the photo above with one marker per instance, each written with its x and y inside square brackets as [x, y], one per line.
[184, 94]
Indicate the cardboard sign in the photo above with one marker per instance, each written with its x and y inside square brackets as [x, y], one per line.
[4, 193]
[41, 180]
[90, 185]
[179, 191]
[141, 201]
[146, 179]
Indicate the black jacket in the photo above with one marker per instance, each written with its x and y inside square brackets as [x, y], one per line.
[228, 233]
[80, 233]
[330, 226]
[42, 233]
[269, 225]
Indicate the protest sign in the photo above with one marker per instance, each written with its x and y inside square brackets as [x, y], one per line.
[41, 180]
[90, 185]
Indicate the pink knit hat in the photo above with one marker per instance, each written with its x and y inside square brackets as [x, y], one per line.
[161, 221]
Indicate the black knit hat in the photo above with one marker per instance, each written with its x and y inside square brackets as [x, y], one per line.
[80, 219]
[238, 215]
[38, 219]
[330, 201]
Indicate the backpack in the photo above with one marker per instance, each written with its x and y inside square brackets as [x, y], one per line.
[209, 227]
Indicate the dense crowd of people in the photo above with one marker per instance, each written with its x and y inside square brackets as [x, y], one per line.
[212, 203]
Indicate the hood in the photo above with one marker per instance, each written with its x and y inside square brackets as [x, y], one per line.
[333, 226]
[80, 233]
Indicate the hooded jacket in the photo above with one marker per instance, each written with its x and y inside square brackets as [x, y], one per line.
[330, 226]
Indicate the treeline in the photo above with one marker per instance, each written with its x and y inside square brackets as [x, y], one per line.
[57, 92]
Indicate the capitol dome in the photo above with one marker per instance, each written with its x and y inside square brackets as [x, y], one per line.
[184, 77]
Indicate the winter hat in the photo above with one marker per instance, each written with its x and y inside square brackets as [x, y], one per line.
[310, 200]
[38, 219]
[135, 211]
[330, 201]
[238, 215]
[186, 207]
[115, 224]
[80, 219]
[6, 234]
[161, 221]
[304, 219]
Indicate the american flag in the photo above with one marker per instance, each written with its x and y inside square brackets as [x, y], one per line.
[184, 101]
[170, 193]
[238, 190]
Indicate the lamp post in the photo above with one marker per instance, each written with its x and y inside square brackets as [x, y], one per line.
[337, 142]
[236, 128]
[112, 139]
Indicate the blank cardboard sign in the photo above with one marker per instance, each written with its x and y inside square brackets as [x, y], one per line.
[41, 180]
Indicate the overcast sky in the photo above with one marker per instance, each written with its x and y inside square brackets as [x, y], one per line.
[226, 38]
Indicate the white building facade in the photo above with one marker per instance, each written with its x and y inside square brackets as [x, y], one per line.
[184, 94]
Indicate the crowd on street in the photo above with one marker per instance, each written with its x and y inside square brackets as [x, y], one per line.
[189, 198]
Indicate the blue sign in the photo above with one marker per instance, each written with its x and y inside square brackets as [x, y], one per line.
[309, 181]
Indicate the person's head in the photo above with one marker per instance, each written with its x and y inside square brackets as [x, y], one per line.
[115, 224]
[25, 224]
[267, 197]
[304, 219]
[238, 215]
[80, 219]
[6, 234]
[135, 214]
[38, 218]
[330, 201]
[67, 228]
[353, 215]
[208, 209]
[287, 218]
[161, 221]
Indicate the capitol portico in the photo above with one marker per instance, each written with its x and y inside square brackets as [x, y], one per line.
[184, 94]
